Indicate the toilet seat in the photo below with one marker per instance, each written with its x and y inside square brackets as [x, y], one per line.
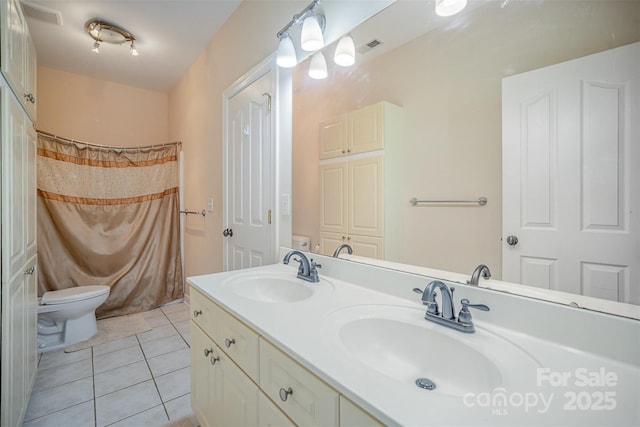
[77, 293]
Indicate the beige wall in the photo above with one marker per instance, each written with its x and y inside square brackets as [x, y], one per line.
[98, 111]
[449, 86]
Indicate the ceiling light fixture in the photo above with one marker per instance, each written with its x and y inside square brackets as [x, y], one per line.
[102, 31]
[449, 7]
[311, 37]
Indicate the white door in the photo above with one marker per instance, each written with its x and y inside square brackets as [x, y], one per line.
[247, 178]
[571, 176]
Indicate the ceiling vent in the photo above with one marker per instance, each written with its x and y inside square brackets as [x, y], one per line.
[368, 46]
[42, 13]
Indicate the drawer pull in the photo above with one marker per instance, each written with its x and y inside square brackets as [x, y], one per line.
[214, 359]
[228, 342]
[284, 394]
[207, 351]
[197, 313]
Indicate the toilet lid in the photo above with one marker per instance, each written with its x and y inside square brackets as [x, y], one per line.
[76, 293]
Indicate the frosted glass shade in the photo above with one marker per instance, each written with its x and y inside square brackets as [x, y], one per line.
[286, 56]
[449, 7]
[345, 55]
[311, 38]
[318, 67]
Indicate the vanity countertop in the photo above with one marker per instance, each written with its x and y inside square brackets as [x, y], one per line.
[551, 383]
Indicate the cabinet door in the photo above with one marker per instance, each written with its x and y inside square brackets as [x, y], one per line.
[270, 416]
[13, 194]
[31, 66]
[12, 49]
[366, 130]
[239, 394]
[30, 197]
[366, 246]
[333, 197]
[333, 137]
[366, 197]
[300, 394]
[329, 242]
[353, 416]
[31, 321]
[206, 396]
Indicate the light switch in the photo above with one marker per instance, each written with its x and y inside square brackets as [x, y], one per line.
[210, 204]
[285, 205]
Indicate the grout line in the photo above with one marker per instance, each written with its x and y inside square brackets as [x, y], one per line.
[153, 378]
[133, 415]
[95, 406]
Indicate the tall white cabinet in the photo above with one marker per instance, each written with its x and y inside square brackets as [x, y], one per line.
[18, 209]
[352, 178]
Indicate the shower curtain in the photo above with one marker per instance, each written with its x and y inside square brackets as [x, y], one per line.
[109, 216]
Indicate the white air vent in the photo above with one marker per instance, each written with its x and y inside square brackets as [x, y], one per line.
[368, 46]
[42, 13]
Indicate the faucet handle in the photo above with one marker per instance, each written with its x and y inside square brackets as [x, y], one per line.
[314, 264]
[465, 315]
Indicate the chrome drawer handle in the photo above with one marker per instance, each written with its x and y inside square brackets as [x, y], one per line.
[214, 359]
[284, 394]
[207, 351]
[228, 342]
[197, 313]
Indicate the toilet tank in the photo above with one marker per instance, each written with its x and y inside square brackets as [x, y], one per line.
[301, 243]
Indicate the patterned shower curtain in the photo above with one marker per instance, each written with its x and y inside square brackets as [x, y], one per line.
[109, 216]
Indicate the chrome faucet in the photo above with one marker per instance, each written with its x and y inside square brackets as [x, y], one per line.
[307, 270]
[480, 270]
[463, 323]
[340, 248]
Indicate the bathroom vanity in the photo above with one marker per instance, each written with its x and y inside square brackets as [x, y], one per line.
[355, 349]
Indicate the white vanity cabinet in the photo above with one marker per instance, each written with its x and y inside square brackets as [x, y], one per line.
[359, 131]
[18, 55]
[227, 389]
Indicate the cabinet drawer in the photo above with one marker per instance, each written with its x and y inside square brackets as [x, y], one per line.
[205, 313]
[301, 395]
[239, 342]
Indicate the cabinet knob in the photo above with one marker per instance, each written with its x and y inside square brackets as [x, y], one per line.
[207, 351]
[349, 150]
[284, 394]
[30, 98]
[228, 342]
[343, 151]
[197, 313]
[214, 359]
[29, 271]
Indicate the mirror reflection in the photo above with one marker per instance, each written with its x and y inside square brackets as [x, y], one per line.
[529, 104]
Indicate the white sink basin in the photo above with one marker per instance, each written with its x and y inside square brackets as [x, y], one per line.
[273, 287]
[399, 343]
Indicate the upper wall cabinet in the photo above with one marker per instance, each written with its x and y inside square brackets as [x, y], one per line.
[358, 131]
[18, 55]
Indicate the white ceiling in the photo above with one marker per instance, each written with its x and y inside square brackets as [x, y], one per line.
[170, 34]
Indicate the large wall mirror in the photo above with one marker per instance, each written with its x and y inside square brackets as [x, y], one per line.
[466, 84]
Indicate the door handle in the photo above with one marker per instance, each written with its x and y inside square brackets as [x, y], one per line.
[512, 240]
[227, 232]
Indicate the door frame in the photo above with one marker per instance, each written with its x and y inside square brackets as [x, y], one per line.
[280, 180]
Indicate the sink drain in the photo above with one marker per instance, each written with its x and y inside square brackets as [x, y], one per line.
[425, 383]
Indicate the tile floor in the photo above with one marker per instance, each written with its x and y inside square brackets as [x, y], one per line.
[141, 380]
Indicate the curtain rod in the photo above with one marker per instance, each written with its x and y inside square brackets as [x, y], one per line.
[73, 141]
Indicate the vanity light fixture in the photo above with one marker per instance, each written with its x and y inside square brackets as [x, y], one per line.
[345, 54]
[311, 38]
[286, 56]
[449, 7]
[318, 67]
[102, 31]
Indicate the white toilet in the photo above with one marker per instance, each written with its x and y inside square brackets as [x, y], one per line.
[68, 316]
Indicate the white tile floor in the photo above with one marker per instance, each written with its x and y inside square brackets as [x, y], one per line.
[141, 380]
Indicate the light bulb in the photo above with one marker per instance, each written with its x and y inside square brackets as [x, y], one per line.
[311, 38]
[318, 67]
[286, 56]
[96, 47]
[449, 7]
[345, 55]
